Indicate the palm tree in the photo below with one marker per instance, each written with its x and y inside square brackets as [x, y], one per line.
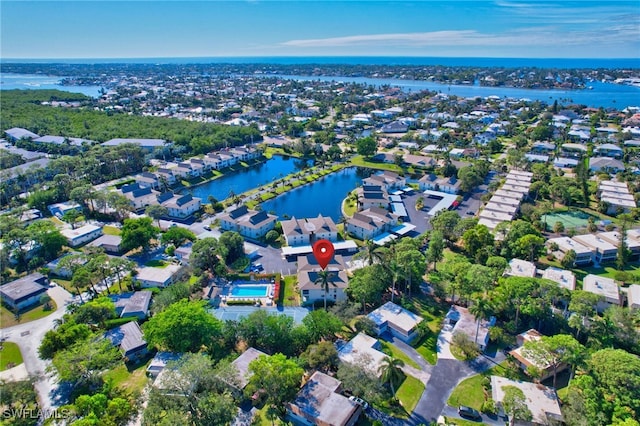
[371, 252]
[324, 279]
[390, 370]
[481, 309]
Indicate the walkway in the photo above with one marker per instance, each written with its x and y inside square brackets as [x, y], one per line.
[28, 337]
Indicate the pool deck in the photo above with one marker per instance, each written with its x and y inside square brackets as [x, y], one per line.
[266, 300]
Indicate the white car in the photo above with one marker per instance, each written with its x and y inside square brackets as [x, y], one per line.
[359, 401]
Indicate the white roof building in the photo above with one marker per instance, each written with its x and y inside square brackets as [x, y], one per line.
[542, 401]
[604, 287]
[521, 268]
[564, 278]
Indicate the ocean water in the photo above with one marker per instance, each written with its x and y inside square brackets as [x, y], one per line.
[362, 60]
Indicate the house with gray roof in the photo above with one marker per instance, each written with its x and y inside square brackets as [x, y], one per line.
[248, 223]
[370, 223]
[241, 365]
[308, 273]
[111, 244]
[146, 144]
[605, 164]
[129, 339]
[300, 232]
[182, 206]
[134, 304]
[16, 133]
[24, 292]
[320, 402]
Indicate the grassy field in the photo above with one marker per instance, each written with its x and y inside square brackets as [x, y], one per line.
[155, 263]
[395, 352]
[291, 296]
[409, 393]
[7, 318]
[460, 422]
[10, 356]
[360, 161]
[433, 314]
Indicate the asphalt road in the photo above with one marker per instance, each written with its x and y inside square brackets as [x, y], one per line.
[28, 337]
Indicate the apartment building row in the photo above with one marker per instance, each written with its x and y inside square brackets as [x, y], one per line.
[595, 248]
[178, 206]
[505, 202]
[617, 196]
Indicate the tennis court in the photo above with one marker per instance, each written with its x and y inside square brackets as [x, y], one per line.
[234, 313]
[570, 219]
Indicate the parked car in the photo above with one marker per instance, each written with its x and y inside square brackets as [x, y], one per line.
[469, 413]
[207, 227]
[364, 404]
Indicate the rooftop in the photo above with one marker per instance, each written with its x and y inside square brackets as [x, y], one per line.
[242, 365]
[602, 286]
[542, 401]
[397, 316]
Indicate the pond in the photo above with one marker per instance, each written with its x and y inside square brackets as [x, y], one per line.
[247, 178]
[323, 196]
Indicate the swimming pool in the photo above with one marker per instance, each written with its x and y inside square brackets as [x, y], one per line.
[249, 291]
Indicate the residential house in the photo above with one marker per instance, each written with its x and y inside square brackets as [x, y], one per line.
[241, 364]
[422, 161]
[149, 276]
[59, 209]
[363, 350]
[160, 361]
[463, 322]
[604, 287]
[128, 337]
[140, 197]
[372, 196]
[394, 127]
[300, 232]
[616, 195]
[450, 185]
[605, 164]
[55, 268]
[309, 272]
[541, 401]
[527, 359]
[111, 244]
[370, 223]
[321, 403]
[16, 133]
[584, 254]
[146, 144]
[396, 320]
[248, 223]
[387, 180]
[521, 268]
[181, 206]
[24, 292]
[608, 150]
[84, 234]
[134, 304]
[565, 279]
[147, 180]
[603, 250]
[165, 177]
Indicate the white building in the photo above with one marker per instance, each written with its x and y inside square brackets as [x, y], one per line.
[249, 223]
[300, 232]
[604, 250]
[521, 268]
[81, 235]
[158, 277]
[604, 287]
[542, 401]
[565, 279]
[584, 254]
[308, 273]
[396, 320]
[180, 206]
[363, 350]
[633, 296]
[370, 223]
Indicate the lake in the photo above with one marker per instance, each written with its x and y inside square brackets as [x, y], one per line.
[247, 178]
[607, 95]
[34, 81]
[323, 196]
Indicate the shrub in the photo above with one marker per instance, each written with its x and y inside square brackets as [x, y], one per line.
[489, 407]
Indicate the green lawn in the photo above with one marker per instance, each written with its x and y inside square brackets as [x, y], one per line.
[7, 318]
[433, 313]
[10, 356]
[291, 296]
[360, 161]
[155, 263]
[110, 230]
[427, 348]
[469, 392]
[395, 352]
[131, 378]
[349, 207]
[461, 422]
[409, 393]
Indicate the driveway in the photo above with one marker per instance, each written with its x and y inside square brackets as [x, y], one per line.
[28, 337]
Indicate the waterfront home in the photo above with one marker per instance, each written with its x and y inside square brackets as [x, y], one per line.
[541, 401]
[606, 288]
[387, 180]
[370, 223]
[24, 292]
[248, 223]
[308, 273]
[395, 320]
[422, 161]
[166, 175]
[147, 180]
[372, 196]
[149, 276]
[139, 196]
[180, 206]
[320, 402]
[526, 359]
[129, 339]
[394, 127]
[84, 234]
[300, 232]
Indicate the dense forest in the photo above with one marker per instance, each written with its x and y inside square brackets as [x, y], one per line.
[23, 108]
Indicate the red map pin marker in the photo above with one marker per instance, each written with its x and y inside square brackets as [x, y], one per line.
[323, 252]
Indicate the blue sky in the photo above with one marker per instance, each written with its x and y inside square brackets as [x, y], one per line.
[453, 28]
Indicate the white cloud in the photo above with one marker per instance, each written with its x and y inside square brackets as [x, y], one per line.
[535, 36]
